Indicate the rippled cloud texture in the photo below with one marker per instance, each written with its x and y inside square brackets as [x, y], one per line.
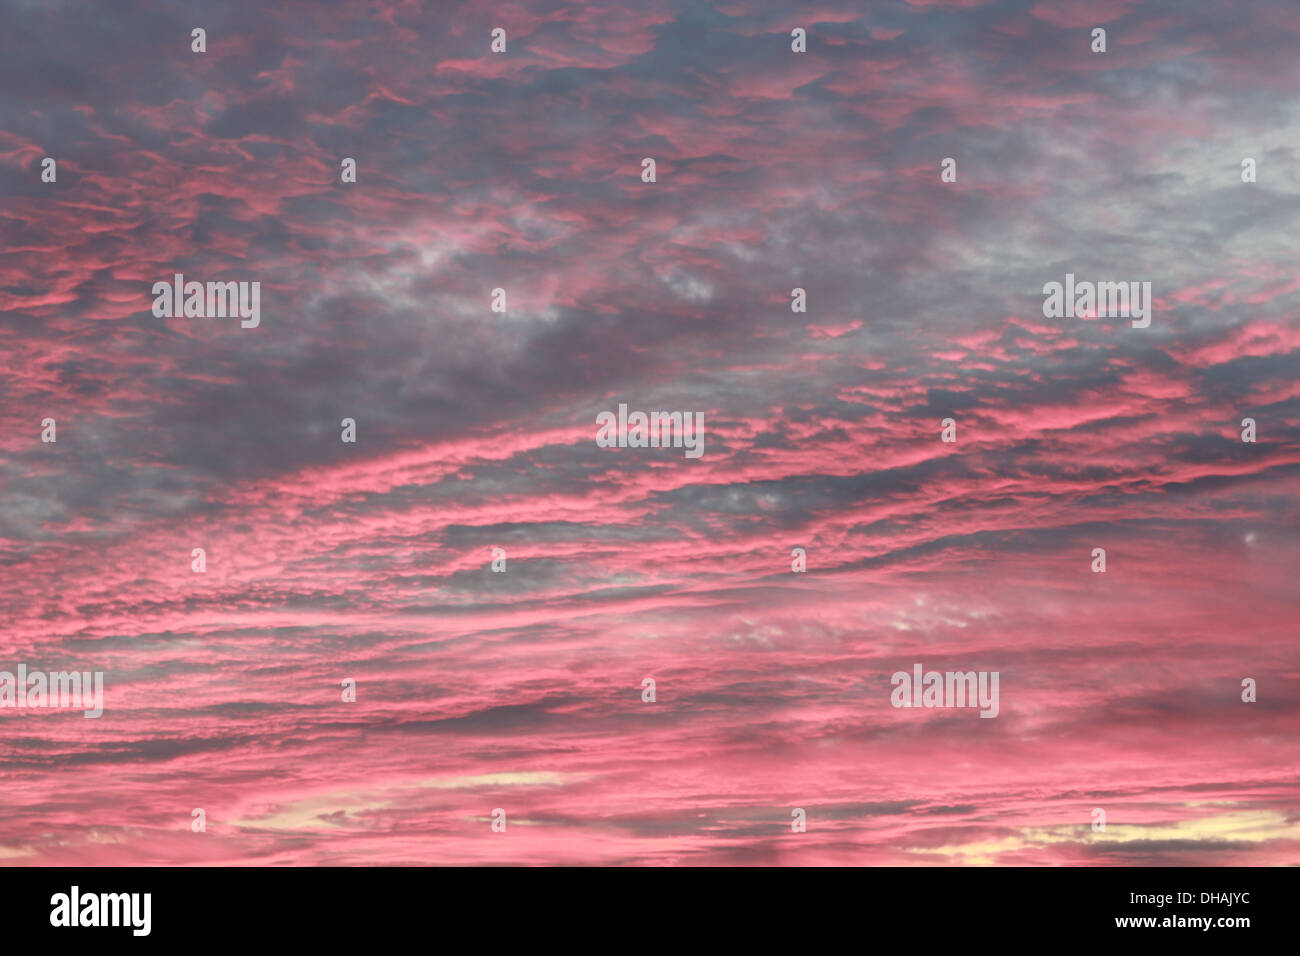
[478, 690]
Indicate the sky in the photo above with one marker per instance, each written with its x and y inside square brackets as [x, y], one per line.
[522, 690]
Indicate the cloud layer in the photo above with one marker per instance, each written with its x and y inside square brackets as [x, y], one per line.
[775, 170]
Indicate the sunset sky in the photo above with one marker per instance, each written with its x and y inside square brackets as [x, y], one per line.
[476, 429]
